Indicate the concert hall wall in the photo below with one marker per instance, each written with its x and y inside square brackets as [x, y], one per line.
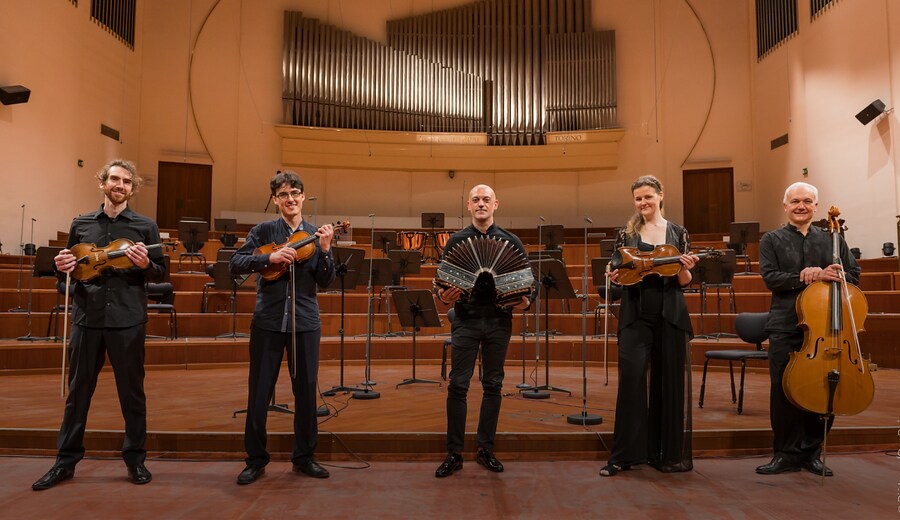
[214, 97]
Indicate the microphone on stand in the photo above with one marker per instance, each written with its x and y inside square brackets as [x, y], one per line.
[584, 418]
[367, 392]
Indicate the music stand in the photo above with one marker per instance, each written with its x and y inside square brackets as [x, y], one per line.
[739, 235]
[555, 284]
[43, 267]
[226, 281]
[347, 264]
[403, 262]
[551, 235]
[432, 221]
[413, 306]
[607, 246]
[545, 254]
[193, 234]
[385, 240]
[228, 226]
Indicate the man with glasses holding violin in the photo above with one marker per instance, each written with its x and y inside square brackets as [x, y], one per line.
[110, 317]
[286, 318]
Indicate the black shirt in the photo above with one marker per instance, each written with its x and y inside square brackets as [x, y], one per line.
[783, 253]
[273, 298]
[481, 301]
[117, 298]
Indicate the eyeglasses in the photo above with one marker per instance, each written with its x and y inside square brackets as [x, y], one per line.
[294, 194]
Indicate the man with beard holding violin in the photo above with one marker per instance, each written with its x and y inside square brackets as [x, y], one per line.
[110, 317]
[791, 258]
[286, 317]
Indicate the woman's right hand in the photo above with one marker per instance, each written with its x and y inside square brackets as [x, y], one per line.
[613, 276]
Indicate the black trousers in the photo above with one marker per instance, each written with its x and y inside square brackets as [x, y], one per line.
[266, 352]
[653, 420]
[798, 434]
[88, 350]
[468, 334]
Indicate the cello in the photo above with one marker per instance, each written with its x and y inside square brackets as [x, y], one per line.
[828, 375]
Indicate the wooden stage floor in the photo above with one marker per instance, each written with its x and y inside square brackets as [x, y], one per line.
[190, 415]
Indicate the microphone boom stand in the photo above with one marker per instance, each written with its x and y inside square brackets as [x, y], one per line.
[18, 308]
[584, 418]
[368, 392]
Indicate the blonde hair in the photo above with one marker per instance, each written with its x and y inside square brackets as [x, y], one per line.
[636, 222]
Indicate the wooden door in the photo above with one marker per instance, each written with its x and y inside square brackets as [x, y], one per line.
[709, 200]
[185, 190]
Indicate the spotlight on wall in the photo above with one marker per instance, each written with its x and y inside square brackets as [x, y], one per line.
[14, 94]
[888, 249]
[451, 173]
[875, 109]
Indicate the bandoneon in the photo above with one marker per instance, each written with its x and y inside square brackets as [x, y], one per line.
[470, 258]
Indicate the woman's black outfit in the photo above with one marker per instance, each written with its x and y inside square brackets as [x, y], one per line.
[655, 331]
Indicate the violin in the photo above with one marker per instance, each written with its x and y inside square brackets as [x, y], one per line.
[300, 241]
[665, 260]
[828, 375]
[91, 261]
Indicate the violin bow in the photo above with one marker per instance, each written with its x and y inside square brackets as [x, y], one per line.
[606, 328]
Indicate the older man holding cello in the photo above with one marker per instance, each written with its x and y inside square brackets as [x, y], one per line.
[110, 318]
[790, 259]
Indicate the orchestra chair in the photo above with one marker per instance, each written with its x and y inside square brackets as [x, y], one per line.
[717, 273]
[751, 328]
[447, 344]
[161, 296]
[610, 305]
[58, 308]
[223, 255]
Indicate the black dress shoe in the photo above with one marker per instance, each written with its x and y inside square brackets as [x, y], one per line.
[138, 474]
[250, 475]
[816, 466]
[310, 468]
[778, 465]
[453, 462]
[487, 459]
[53, 477]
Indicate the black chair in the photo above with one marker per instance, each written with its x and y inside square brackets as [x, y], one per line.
[162, 299]
[610, 304]
[751, 327]
[58, 308]
[447, 343]
[223, 255]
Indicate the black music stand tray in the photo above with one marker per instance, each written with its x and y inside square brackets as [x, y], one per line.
[555, 284]
[739, 235]
[384, 240]
[43, 267]
[228, 227]
[413, 306]
[432, 221]
[226, 281]
[347, 264]
[193, 234]
[551, 235]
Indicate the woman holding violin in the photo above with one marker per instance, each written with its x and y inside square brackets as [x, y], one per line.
[654, 331]
[791, 258]
[109, 319]
[292, 257]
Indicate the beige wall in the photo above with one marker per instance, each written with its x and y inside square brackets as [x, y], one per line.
[810, 88]
[80, 76]
[674, 115]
